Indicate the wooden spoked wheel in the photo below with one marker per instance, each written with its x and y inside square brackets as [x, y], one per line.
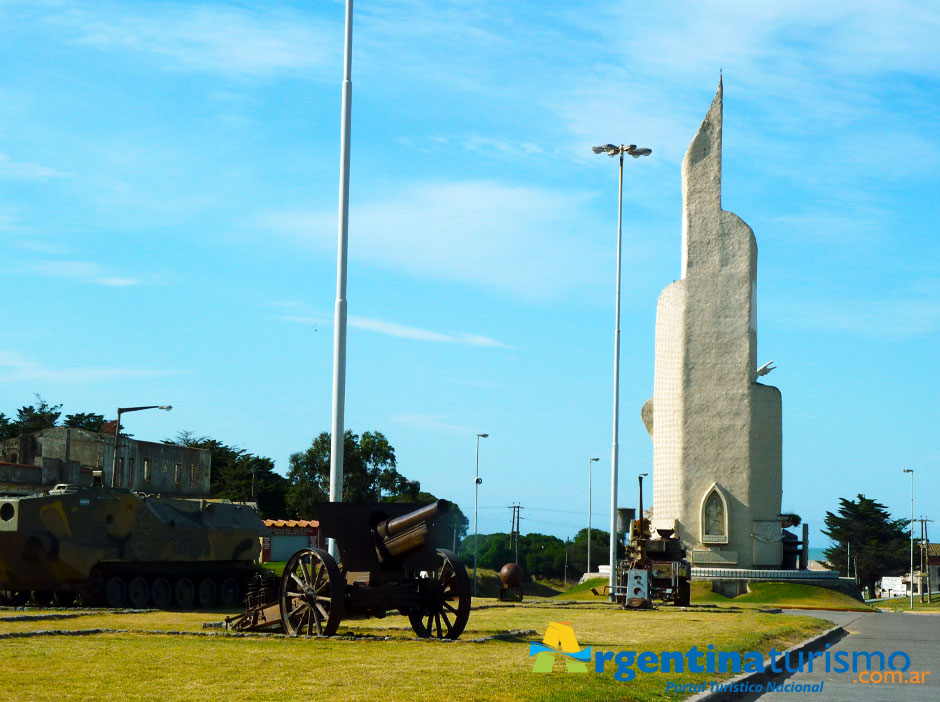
[312, 592]
[444, 599]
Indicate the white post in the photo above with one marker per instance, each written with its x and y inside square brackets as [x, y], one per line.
[117, 441]
[476, 496]
[337, 434]
[590, 482]
[614, 448]
[911, 471]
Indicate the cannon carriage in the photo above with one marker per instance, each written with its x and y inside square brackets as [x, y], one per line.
[388, 562]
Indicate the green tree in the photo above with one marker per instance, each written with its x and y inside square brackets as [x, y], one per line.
[84, 420]
[40, 415]
[241, 476]
[542, 556]
[600, 551]
[7, 428]
[368, 473]
[879, 544]
[497, 553]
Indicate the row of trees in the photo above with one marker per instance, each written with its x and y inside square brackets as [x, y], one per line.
[541, 555]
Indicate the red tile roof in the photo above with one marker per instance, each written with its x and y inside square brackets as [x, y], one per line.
[291, 523]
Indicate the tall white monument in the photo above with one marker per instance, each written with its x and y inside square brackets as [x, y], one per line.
[716, 431]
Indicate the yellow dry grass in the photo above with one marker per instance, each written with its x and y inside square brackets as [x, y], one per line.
[145, 665]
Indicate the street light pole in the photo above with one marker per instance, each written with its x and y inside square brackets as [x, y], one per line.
[476, 499]
[590, 462]
[911, 471]
[337, 435]
[642, 527]
[612, 150]
[117, 432]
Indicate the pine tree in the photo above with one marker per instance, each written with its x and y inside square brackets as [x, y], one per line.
[878, 543]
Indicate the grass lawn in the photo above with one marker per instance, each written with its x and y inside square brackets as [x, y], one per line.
[899, 604]
[785, 595]
[143, 664]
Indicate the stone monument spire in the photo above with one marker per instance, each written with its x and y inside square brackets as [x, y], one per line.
[716, 432]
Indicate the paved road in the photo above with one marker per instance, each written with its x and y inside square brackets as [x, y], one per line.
[918, 635]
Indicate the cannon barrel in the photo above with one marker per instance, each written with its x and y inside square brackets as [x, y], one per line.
[392, 527]
[406, 533]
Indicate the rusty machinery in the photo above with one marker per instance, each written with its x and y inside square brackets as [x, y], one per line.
[388, 563]
[510, 583]
[654, 568]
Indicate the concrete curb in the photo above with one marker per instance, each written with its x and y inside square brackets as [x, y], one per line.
[816, 643]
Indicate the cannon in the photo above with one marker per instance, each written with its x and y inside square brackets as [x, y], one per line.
[388, 562]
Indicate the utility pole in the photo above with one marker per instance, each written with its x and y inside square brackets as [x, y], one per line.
[911, 471]
[566, 561]
[515, 529]
[924, 558]
[927, 548]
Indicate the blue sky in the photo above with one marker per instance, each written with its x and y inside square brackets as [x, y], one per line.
[168, 207]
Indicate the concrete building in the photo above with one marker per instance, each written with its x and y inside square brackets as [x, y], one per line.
[716, 431]
[44, 458]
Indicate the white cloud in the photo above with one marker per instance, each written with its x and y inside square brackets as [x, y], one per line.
[43, 247]
[299, 319]
[22, 170]
[207, 38]
[115, 281]
[8, 221]
[895, 317]
[401, 331]
[79, 270]
[405, 332]
[532, 242]
[15, 367]
[499, 147]
[798, 76]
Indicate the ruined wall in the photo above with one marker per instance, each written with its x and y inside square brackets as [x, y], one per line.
[64, 455]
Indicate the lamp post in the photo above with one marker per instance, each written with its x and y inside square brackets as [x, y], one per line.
[911, 471]
[338, 434]
[476, 498]
[117, 432]
[612, 150]
[642, 530]
[590, 461]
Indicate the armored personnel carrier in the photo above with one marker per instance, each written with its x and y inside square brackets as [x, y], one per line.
[138, 532]
[121, 548]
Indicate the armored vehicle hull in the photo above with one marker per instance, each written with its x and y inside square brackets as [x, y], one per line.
[122, 548]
